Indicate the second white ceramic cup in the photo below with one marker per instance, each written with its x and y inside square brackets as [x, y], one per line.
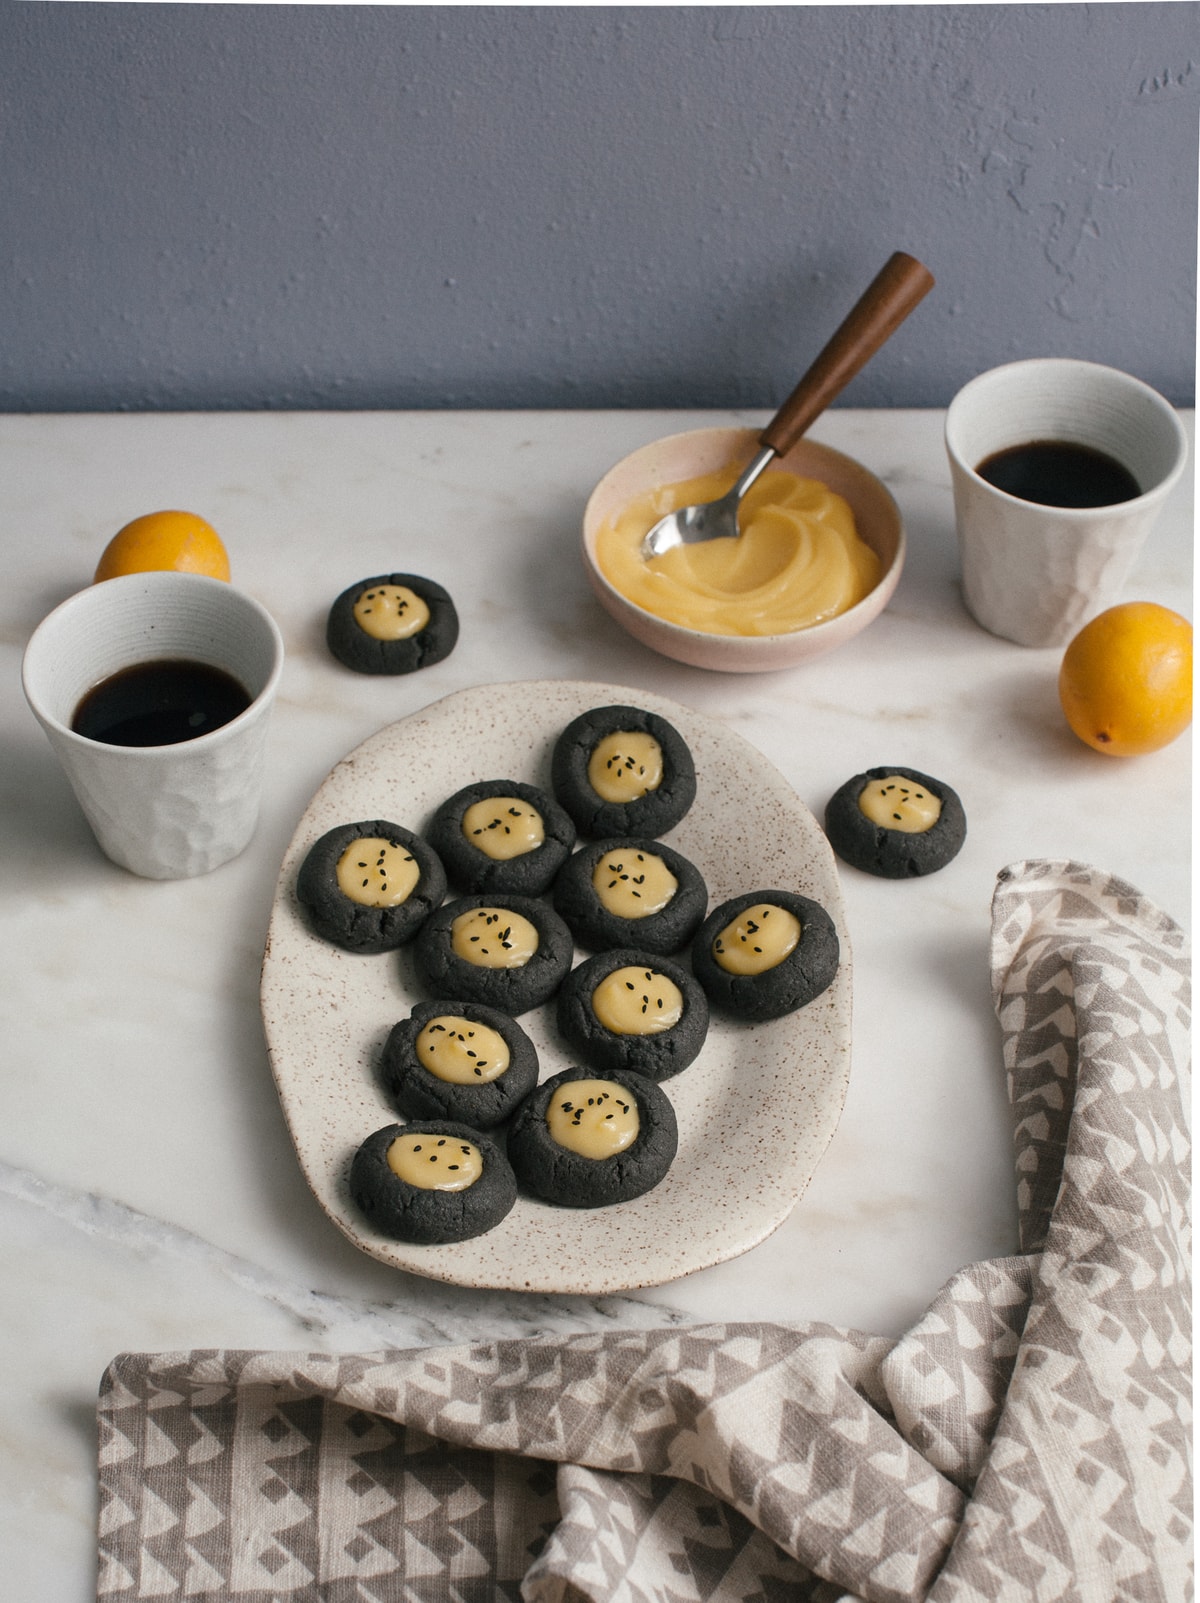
[165, 812]
[1033, 573]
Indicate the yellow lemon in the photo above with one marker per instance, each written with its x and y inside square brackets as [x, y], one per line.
[180, 541]
[1126, 679]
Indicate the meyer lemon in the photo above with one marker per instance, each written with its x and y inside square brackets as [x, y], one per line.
[1126, 679]
[180, 541]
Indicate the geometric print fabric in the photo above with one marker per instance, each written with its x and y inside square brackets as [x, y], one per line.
[1027, 1439]
[1088, 1476]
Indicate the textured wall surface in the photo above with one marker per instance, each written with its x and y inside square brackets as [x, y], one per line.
[394, 206]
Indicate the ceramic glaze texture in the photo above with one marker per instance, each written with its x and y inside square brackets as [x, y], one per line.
[189, 821]
[756, 1110]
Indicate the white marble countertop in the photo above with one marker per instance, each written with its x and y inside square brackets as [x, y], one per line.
[149, 1193]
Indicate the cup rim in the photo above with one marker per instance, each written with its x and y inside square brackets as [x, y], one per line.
[156, 577]
[1136, 503]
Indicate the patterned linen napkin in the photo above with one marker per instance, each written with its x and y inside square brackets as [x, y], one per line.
[1028, 1439]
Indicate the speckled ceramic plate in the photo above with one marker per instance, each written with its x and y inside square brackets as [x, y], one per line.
[757, 1108]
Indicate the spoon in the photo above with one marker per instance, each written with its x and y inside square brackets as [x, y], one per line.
[898, 286]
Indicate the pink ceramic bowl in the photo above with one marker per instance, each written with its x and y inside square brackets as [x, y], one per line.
[687, 456]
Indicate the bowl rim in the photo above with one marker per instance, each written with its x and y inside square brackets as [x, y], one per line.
[813, 631]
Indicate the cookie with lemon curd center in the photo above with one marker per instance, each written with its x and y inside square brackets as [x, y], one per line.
[623, 771]
[458, 1060]
[588, 1139]
[764, 954]
[636, 893]
[510, 953]
[394, 623]
[896, 823]
[369, 886]
[635, 1011]
[431, 1182]
[502, 836]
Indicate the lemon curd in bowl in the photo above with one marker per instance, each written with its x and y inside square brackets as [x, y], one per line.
[819, 556]
[798, 558]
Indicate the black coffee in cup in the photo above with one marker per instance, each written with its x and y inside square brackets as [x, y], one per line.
[159, 704]
[1058, 473]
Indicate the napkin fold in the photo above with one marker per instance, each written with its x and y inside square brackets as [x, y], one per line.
[1027, 1439]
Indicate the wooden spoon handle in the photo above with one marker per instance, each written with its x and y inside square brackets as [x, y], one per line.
[900, 283]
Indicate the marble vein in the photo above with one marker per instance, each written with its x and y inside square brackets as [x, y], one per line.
[427, 1317]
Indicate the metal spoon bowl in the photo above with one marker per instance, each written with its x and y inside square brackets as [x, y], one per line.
[893, 293]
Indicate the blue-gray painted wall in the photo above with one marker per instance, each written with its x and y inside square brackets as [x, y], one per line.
[209, 206]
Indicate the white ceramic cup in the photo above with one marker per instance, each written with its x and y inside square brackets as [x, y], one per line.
[1036, 574]
[166, 812]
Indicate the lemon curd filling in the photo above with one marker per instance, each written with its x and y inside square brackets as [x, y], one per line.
[637, 1001]
[493, 937]
[391, 612]
[625, 766]
[377, 872]
[595, 1118]
[460, 1052]
[758, 939]
[503, 827]
[633, 884]
[797, 561]
[898, 803]
[434, 1162]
